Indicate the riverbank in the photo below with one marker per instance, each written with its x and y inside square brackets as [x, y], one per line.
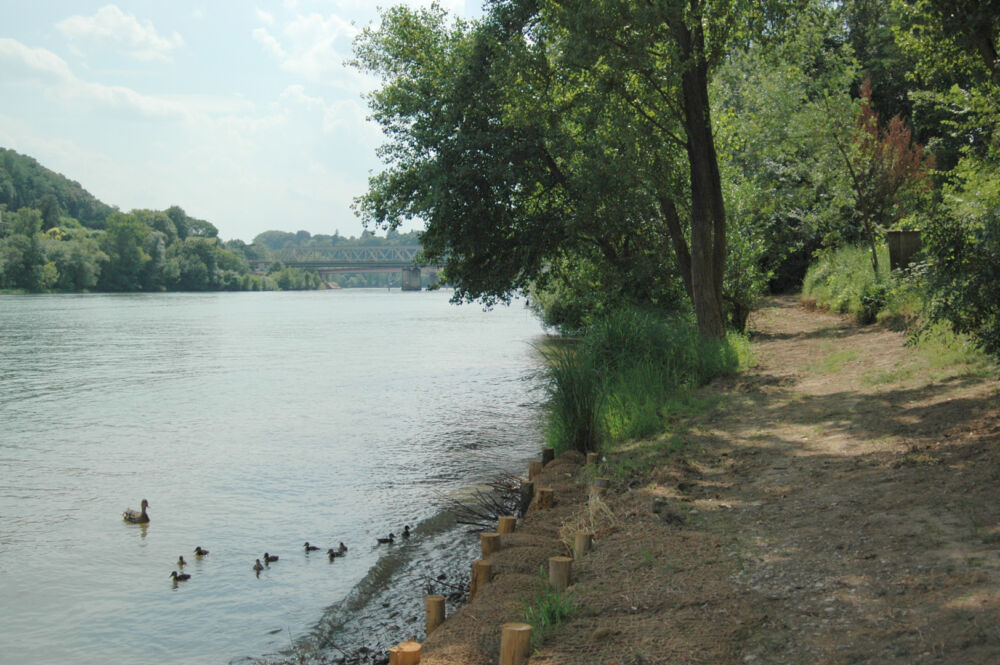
[838, 505]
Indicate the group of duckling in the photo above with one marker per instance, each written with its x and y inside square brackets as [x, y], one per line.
[142, 517]
[199, 552]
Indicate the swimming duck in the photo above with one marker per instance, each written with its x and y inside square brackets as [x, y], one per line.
[257, 567]
[199, 551]
[270, 558]
[181, 562]
[406, 531]
[333, 554]
[311, 548]
[342, 548]
[387, 541]
[137, 516]
[179, 577]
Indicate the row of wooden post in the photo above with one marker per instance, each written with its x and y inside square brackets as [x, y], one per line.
[515, 638]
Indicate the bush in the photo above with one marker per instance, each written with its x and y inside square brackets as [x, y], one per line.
[842, 281]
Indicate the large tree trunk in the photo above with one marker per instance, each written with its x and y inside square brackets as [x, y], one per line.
[708, 213]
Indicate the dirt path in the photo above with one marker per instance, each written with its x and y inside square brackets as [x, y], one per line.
[838, 505]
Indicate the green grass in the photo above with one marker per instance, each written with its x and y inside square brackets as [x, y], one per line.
[842, 281]
[548, 609]
[834, 362]
[629, 376]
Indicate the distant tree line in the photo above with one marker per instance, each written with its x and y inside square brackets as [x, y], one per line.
[54, 235]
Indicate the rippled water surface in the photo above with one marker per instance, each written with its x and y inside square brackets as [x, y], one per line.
[251, 422]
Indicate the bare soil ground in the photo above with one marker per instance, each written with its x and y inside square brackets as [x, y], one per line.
[838, 505]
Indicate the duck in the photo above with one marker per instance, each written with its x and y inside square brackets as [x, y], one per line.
[333, 554]
[387, 541]
[257, 567]
[342, 548]
[179, 577]
[137, 516]
[310, 548]
[270, 558]
[198, 551]
[406, 531]
[181, 562]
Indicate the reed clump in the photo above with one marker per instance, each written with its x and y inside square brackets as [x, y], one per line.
[622, 379]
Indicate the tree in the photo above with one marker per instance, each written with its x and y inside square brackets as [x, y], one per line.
[887, 171]
[123, 242]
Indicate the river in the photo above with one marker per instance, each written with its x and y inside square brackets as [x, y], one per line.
[251, 422]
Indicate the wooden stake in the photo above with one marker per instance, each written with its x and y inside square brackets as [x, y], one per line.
[581, 544]
[591, 459]
[527, 494]
[601, 485]
[394, 656]
[559, 572]
[489, 542]
[435, 612]
[515, 643]
[545, 498]
[482, 573]
[506, 524]
[548, 454]
[534, 468]
[409, 653]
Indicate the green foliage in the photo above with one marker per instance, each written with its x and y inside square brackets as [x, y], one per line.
[962, 245]
[619, 380]
[842, 281]
[548, 609]
[24, 183]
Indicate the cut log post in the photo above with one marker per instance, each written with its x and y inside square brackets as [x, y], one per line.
[591, 459]
[506, 524]
[515, 643]
[435, 612]
[545, 498]
[394, 656]
[548, 454]
[534, 468]
[527, 494]
[559, 572]
[489, 542]
[409, 653]
[581, 544]
[482, 573]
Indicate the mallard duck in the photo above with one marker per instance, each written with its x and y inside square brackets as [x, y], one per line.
[387, 541]
[258, 566]
[311, 548]
[342, 548]
[406, 531]
[198, 551]
[270, 558]
[181, 562]
[333, 554]
[179, 577]
[137, 516]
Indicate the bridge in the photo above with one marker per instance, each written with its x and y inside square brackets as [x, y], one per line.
[342, 260]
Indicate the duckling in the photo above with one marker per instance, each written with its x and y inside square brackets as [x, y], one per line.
[199, 551]
[179, 577]
[310, 548]
[257, 567]
[342, 548]
[181, 562]
[387, 541]
[333, 554]
[406, 531]
[137, 516]
[270, 558]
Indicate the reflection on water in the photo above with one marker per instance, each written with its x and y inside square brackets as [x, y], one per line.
[252, 422]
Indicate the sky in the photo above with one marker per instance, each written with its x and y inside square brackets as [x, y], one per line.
[243, 114]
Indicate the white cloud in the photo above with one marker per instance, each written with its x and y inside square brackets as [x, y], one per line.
[112, 28]
[265, 17]
[312, 47]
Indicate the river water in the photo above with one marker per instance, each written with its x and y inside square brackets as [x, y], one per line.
[251, 422]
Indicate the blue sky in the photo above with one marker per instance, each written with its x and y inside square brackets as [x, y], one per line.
[241, 113]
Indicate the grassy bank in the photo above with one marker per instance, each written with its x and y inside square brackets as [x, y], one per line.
[629, 375]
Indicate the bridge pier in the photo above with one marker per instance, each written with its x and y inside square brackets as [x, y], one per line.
[411, 279]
